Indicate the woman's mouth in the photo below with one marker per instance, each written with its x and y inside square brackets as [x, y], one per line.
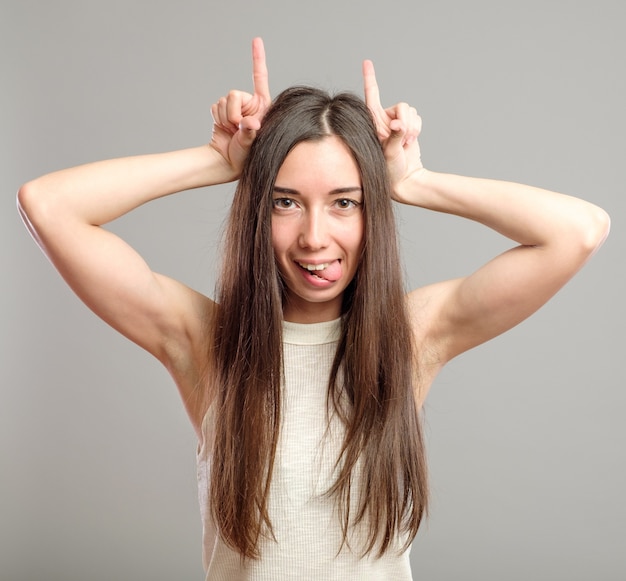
[328, 271]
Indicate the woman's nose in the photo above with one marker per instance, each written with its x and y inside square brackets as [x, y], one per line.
[314, 231]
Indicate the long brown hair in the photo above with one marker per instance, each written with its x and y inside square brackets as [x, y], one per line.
[374, 368]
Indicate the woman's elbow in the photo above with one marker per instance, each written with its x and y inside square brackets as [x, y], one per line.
[596, 230]
[33, 207]
[28, 200]
[33, 204]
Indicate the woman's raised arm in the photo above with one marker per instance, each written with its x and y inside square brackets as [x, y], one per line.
[555, 235]
[65, 212]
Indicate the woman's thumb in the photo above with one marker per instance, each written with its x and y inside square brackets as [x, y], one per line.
[247, 131]
[395, 141]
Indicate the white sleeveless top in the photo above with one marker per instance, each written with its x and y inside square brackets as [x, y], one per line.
[305, 520]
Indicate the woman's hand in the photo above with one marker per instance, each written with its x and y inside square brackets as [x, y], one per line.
[398, 128]
[237, 116]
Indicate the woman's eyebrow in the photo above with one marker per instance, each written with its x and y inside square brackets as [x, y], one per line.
[280, 190]
[336, 191]
[346, 190]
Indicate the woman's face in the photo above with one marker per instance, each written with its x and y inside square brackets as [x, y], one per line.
[317, 228]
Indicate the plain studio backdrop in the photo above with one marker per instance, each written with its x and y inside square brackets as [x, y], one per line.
[525, 433]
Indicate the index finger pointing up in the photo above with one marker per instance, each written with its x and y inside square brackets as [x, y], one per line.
[260, 76]
[372, 95]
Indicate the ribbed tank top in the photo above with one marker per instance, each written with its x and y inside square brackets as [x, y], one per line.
[305, 519]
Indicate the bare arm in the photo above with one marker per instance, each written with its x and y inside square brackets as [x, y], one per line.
[65, 212]
[555, 235]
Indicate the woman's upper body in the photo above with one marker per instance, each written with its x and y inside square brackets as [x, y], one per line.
[65, 210]
[318, 232]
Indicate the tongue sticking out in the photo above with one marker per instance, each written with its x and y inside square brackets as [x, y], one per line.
[331, 273]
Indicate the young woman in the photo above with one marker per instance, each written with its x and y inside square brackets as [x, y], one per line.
[304, 378]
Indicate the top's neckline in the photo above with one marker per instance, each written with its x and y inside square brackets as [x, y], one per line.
[311, 333]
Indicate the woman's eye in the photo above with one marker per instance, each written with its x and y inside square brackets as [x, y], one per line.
[284, 203]
[346, 204]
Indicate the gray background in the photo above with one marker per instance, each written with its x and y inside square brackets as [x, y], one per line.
[525, 433]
